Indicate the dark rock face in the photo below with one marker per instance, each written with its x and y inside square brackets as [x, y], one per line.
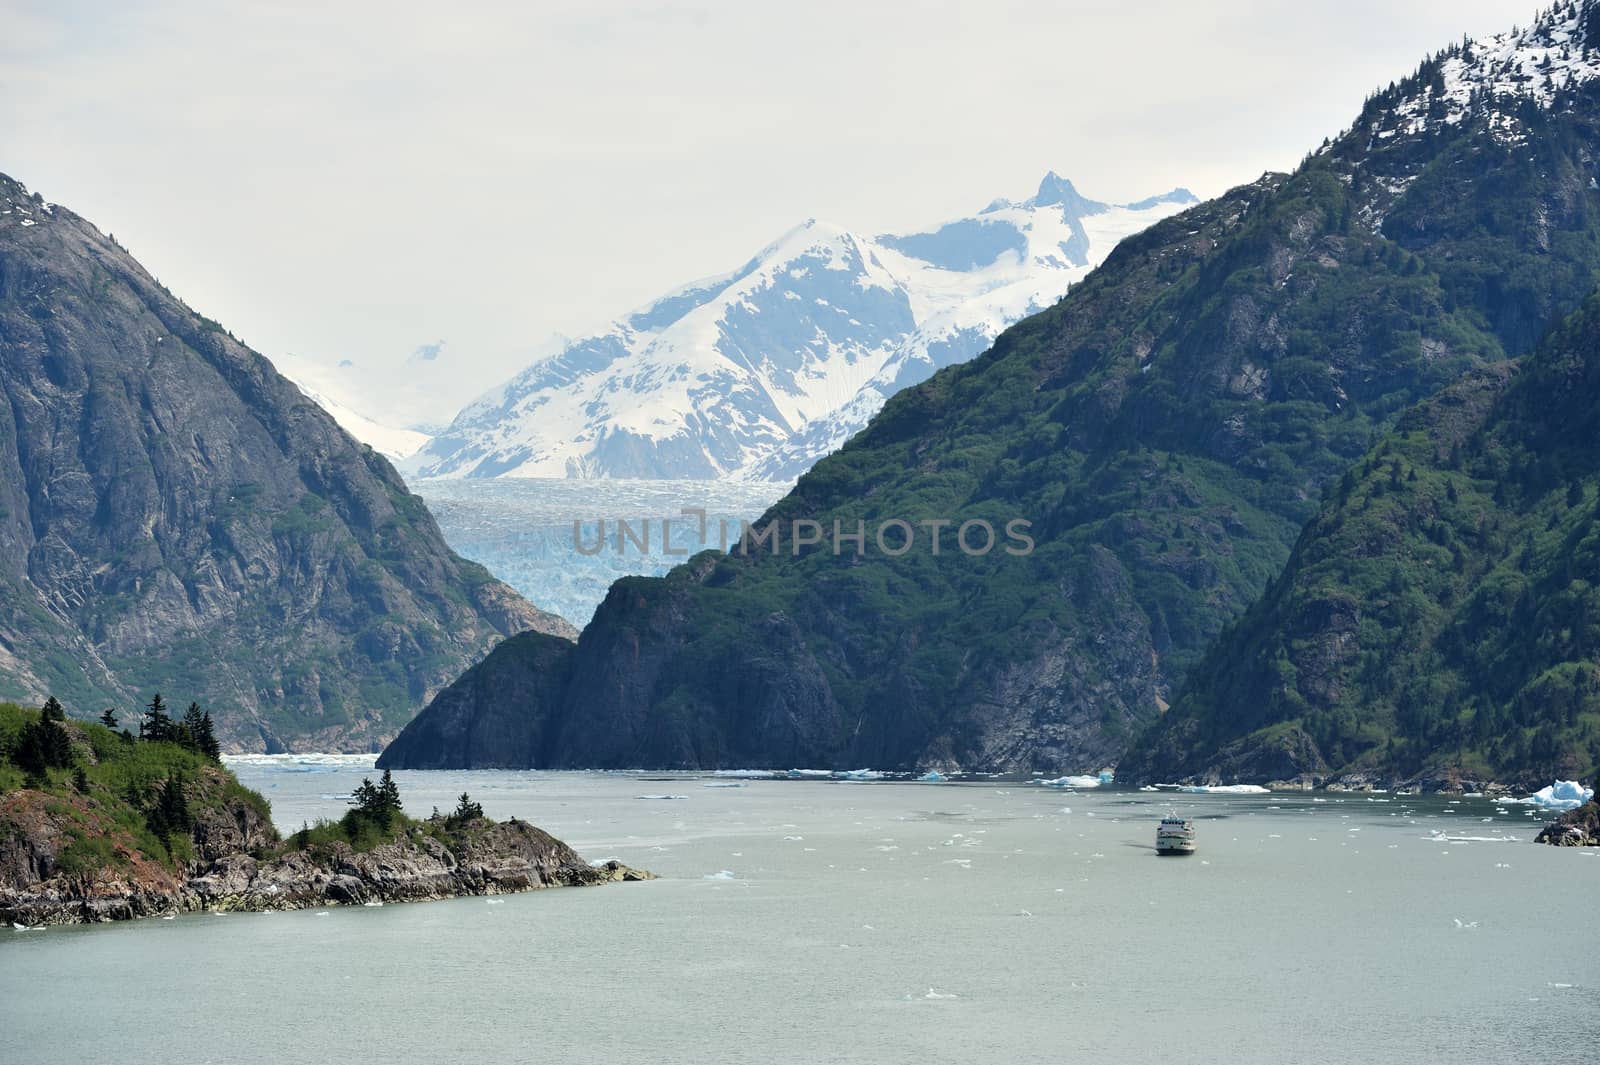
[1575, 828]
[176, 516]
[495, 716]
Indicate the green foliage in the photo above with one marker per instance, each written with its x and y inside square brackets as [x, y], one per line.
[379, 803]
[1444, 618]
[466, 810]
[157, 725]
[1168, 428]
[116, 793]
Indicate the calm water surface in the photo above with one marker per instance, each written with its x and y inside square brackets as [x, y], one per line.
[871, 922]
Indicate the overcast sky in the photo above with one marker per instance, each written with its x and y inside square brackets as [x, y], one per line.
[351, 180]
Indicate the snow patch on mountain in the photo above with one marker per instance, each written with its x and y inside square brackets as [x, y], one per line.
[760, 372]
[1497, 76]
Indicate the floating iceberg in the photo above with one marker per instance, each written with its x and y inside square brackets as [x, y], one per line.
[1072, 782]
[806, 774]
[1562, 795]
[747, 774]
[1224, 789]
[862, 774]
[726, 874]
[723, 784]
[1107, 776]
[661, 796]
[933, 776]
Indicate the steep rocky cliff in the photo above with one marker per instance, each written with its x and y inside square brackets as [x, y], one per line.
[1167, 428]
[174, 515]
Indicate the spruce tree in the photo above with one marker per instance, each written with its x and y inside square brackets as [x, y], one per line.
[52, 711]
[208, 738]
[466, 809]
[108, 718]
[390, 792]
[42, 746]
[157, 724]
[193, 723]
[380, 801]
[170, 815]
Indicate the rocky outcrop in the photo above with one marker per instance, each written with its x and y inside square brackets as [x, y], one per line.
[240, 865]
[486, 859]
[1575, 828]
[176, 516]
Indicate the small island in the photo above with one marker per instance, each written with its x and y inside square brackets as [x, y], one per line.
[100, 824]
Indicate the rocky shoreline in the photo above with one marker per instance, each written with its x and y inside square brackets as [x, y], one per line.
[1575, 828]
[240, 866]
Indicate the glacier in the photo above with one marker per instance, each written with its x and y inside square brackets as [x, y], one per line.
[522, 529]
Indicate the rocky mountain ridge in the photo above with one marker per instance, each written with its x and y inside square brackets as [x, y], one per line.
[175, 514]
[759, 373]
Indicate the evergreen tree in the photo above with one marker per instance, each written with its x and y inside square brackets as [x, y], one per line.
[466, 809]
[157, 726]
[193, 723]
[108, 718]
[170, 815]
[207, 737]
[42, 746]
[390, 792]
[380, 801]
[52, 710]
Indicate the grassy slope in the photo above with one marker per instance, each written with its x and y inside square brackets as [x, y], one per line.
[107, 827]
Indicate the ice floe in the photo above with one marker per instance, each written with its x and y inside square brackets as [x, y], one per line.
[1562, 795]
[1224, 789]
[1071, 782]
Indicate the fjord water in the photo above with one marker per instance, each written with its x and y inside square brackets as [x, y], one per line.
[871, 922]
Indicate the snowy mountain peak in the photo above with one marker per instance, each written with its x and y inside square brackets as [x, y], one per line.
[1494, 78]
[760, 372]
[1056, 190]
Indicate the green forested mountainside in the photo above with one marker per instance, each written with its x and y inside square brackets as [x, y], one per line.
[1440, 618]
[1168, 428]
[175, 515]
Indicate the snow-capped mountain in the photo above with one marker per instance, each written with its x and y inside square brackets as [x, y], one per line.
[1498, 76]
[759, 373]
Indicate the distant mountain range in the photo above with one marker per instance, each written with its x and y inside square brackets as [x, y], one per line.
[1331, 346]
[175, 516]
[759, 373]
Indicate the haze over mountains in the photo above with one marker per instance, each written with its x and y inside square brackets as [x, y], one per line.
[758, 373]
[1168, 428]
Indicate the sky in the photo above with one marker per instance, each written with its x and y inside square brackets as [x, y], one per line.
[370, 182]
